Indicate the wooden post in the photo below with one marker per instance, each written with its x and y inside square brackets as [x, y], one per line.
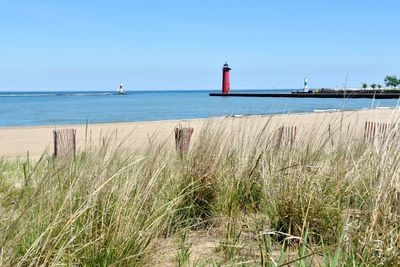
[279, 137]
[64, 142]
[365, 130]
[369, 131]
[74, 141]
[293, 135]
[286, 137]
[182, 139]
[55, 143]
[373, 131]
[378, 132]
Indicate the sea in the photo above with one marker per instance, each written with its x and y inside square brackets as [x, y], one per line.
[73, 107]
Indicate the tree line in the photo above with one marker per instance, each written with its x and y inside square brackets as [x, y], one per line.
[390, 81]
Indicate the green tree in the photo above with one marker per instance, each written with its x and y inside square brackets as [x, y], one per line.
[392, 81]
[379, 86]
[364, 85]
[373, 86]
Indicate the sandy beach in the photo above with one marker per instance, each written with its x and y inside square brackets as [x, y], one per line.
[17, 141]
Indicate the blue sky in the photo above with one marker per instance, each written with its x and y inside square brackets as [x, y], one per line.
[157, 45]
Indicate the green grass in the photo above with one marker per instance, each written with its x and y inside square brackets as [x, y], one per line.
[320, 203]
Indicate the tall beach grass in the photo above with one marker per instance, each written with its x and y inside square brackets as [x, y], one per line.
[330, 200]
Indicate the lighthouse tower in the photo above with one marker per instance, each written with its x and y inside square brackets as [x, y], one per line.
[226, 86]
[305, 85]
[121, 89]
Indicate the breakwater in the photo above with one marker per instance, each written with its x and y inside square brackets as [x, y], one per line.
[392, 94]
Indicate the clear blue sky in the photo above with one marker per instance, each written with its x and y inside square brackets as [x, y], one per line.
[171, 44]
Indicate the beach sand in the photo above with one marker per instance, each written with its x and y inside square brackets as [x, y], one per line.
[17, 141]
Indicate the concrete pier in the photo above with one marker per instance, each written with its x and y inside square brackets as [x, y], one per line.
[338, 94]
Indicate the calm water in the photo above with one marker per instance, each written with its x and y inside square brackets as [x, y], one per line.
[47, 108]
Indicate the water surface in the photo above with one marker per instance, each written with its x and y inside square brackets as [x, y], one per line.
[58, 108]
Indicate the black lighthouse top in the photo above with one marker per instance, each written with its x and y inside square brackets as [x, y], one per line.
[226, 67]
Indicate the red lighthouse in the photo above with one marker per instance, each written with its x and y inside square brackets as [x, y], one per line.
[226, 86]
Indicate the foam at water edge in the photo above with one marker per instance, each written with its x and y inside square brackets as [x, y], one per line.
[325, 110]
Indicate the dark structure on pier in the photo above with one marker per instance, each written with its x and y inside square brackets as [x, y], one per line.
[324, 93]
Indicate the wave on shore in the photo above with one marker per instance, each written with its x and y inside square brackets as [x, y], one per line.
[326, 110]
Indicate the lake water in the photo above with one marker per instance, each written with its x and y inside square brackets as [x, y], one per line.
[57, 108]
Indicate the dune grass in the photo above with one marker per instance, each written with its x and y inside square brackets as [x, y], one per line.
[319, 203]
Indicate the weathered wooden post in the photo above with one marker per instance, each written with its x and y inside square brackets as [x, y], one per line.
[64, 142]
[182, 139]
[293, 135]
[378, 132]
[279, 137]
[366, 125]
[370, 128]
[286, 137]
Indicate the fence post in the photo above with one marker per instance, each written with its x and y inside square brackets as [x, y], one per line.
[182, 139]
[293, 134]
[55, 142]
[74, 141]
[279, 138]
[376, 133]
[286, 137]
[64, 142]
